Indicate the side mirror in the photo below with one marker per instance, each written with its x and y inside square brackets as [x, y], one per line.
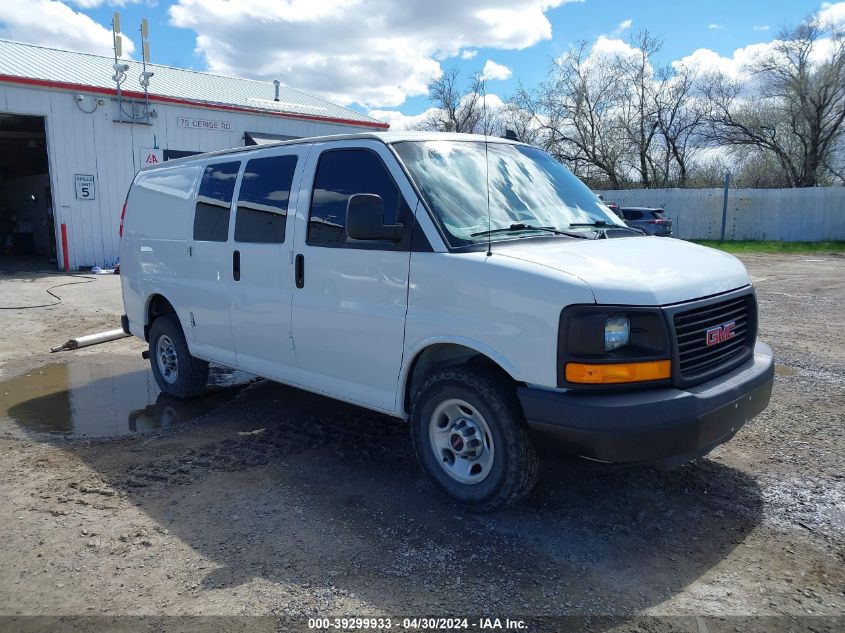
[365, 220]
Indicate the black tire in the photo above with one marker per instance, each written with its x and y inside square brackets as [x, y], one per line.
[514, 467]
[191, 375]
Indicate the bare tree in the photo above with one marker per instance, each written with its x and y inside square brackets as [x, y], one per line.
[796, 107]
[521, 122]
[706, 172]
[612, 117]
[639, 102]
[759, 170]
[680, 116]
[457, 108]
[576, 111]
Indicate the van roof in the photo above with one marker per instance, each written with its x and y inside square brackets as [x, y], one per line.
[385, 137]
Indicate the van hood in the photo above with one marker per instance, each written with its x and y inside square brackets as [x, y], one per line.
[635, 270]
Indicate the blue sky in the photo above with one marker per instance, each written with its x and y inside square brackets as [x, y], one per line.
[378, 55]
[683, 29]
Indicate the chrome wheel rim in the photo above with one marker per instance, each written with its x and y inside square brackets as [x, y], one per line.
[168, 365]
[461, 441]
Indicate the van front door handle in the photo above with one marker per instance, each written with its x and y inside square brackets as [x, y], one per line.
[299, 272]
[236, 265]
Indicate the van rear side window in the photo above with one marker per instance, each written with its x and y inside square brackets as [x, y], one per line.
[263, 200]
[211, 217]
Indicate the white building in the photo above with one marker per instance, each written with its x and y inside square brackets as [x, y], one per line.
[70, 146]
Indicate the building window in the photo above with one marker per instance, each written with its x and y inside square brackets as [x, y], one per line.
[263, 200]
[211, 216]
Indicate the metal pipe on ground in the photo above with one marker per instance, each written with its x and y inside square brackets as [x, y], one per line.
[91, 339]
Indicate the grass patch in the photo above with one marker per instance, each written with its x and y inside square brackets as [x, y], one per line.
[775, 247]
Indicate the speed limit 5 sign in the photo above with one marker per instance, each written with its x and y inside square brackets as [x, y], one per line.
[85, 189]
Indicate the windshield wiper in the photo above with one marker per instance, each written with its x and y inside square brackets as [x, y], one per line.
[603, 224]
[518, 227]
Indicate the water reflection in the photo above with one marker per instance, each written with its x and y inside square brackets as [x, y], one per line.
[100, 399]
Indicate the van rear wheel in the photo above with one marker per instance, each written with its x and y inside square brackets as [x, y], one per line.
[470, 438]
[177, 373]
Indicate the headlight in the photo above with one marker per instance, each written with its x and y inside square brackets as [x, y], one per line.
[617, 332]
[602, 345]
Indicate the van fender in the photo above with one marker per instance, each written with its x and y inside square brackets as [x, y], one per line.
[153, 291]
[412, 354]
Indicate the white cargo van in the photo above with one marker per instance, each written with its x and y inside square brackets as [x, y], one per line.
[471, 286]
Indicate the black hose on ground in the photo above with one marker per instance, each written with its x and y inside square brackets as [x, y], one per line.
[87, 280]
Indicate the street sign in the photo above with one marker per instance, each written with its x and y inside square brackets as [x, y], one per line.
[85, 187]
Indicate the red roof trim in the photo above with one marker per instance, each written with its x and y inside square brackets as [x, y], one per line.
[45, 83]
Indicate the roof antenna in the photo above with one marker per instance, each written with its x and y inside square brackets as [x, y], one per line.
[119, 69]
[144, 80]
[487, 168]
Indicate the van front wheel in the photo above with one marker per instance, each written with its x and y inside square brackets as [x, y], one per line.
[470, 438]
[177, 373]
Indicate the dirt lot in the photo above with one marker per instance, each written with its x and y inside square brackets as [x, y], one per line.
[263, 500]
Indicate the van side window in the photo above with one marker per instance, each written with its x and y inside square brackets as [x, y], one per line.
[341, 174]
[211, 217]
[263, 200]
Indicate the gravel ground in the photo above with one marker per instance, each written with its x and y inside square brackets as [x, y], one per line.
[263, 500]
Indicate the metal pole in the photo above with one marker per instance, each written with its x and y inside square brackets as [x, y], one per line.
[725, 204]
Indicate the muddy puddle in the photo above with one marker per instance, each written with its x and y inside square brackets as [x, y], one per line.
[103, 399]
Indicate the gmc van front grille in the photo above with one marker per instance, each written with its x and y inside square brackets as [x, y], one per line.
[714, 337]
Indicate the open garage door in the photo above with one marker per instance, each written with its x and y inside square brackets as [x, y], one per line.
[27, 231]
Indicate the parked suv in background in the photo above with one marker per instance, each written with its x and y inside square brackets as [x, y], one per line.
[652, 221]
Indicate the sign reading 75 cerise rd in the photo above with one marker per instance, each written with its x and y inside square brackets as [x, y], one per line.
[203, 124]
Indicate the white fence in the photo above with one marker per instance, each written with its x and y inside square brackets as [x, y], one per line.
[795, 215]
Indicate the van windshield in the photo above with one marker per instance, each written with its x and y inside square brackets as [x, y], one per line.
[527, 187]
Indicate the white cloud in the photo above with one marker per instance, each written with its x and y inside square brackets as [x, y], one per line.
[93, 4]
[832, 13]
[717, 27]
[611, 47]
[492, 102]
[375, 52]
[624, 25]
[469, 54]
[761, 27]
[55, 24]
[736, 67]
[399, 121]
[705, 60]
[494, 71]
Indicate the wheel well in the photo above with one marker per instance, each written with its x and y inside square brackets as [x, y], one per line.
[157, 306]
[443, 355]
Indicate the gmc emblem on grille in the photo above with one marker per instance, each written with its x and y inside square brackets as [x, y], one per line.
[720, 333]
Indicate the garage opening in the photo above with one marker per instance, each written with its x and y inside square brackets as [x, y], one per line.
[27, 231]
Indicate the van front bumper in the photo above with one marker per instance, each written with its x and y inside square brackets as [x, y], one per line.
[653, 425]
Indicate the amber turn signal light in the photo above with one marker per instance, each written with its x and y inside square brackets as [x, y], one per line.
[614, 373]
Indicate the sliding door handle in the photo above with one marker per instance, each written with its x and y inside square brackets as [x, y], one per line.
[299, 272]
[236, 265]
